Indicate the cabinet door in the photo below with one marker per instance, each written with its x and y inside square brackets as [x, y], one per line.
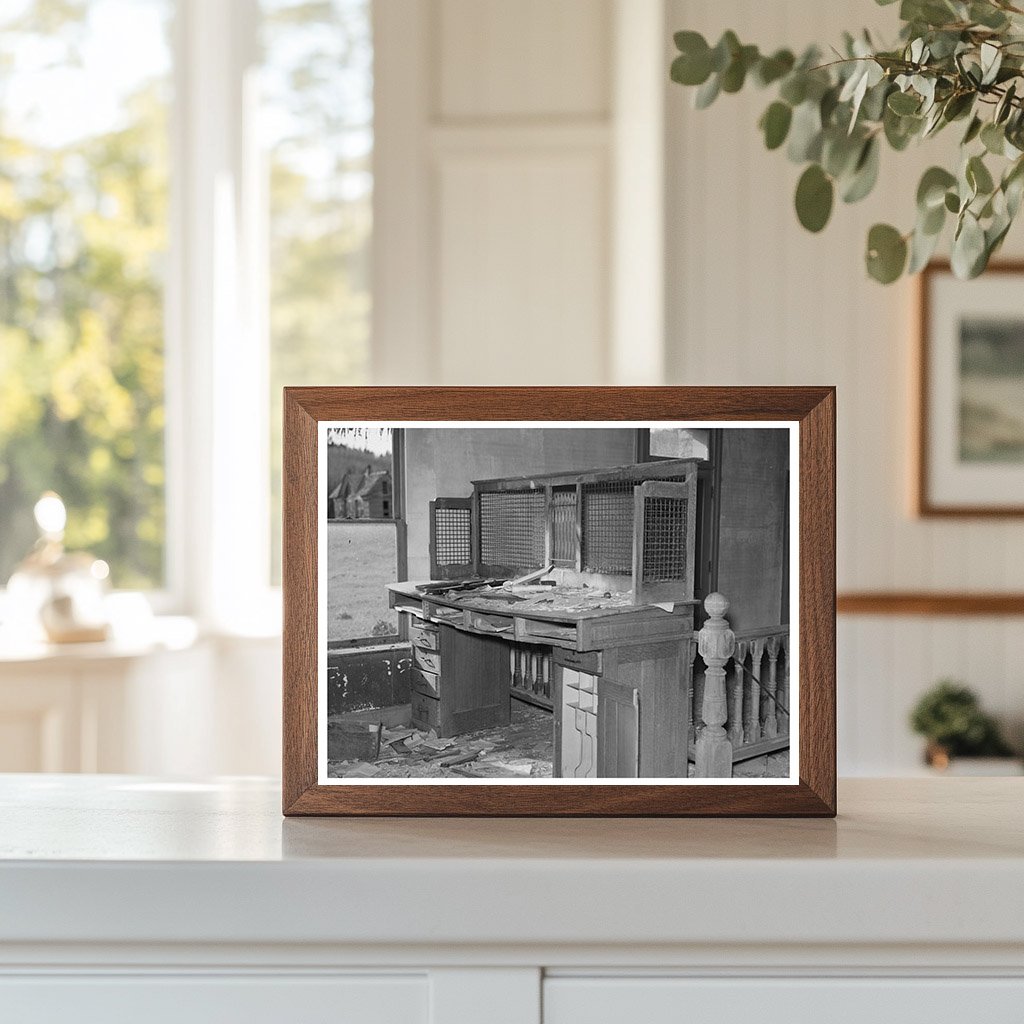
[204, 999]
[783, 1000]
[618, 735]
[475, 682]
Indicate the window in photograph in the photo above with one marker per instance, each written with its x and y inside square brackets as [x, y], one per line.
[83, 239]
[317, 128]
[362, 538]
[680, 443]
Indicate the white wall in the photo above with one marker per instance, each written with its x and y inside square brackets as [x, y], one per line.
[494, 213]
[754, 299]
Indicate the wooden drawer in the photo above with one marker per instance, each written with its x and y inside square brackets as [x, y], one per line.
[426, 711]
[427, 683]
[425, 636]
[442, 613]
[429, 661]
[588, 661]
[484, 623]
[542, 631]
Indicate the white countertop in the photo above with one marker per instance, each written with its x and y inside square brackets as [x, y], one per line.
[121, 859]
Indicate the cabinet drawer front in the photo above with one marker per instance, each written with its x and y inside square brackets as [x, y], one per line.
[423, 636]
[587, 661]
[429, 661]
[426, 711]
[199, 1000]
[669, 1000]
[427, 683]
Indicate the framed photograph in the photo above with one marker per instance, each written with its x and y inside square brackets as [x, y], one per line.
[970, 445]
[559, 601]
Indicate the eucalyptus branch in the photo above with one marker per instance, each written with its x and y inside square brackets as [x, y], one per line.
[953, 60]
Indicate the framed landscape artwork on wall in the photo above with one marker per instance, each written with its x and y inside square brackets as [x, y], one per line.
[970, 446]
[571, 601]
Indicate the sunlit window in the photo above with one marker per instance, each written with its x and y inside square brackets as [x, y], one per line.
[83, 234]
[317, 121]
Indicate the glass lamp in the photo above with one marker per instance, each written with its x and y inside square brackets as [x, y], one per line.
[56, 595]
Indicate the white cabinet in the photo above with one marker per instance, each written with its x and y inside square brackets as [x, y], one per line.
[823, 1000]
[100, 707]
[127, 899]
[206, 999]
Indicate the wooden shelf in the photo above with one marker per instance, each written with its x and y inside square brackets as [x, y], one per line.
[929, 603]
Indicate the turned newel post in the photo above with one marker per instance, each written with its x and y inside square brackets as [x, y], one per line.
[716, 643]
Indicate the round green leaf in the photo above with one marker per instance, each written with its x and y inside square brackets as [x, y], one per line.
[952, 202]
[968, 255]
[707, 93]
[805, 133]
[770, 69]
[865, 173]
[775, 123]
[978, 176]
[887, 253]
[973, 130]
[899, 130]
[932, 189]
[725, 49]
[814, 194]
[794, 89]
[993, 138]
[903, 103]
[693, 65]
[922, 248]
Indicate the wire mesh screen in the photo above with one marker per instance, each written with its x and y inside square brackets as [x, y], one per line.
[608, 528]
[664, 539]
[452, 536]
[512, 528]
[563, 526]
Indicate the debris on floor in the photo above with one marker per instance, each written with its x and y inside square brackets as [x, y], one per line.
[521, 749]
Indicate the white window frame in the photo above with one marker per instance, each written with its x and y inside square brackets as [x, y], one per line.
[217, 354]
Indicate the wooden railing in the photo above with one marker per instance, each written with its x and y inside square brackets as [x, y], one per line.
[739, 703]
[531, 673]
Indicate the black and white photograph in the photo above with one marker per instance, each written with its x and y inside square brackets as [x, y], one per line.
[522, 603]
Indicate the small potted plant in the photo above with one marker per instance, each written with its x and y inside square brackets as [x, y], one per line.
[962, 738]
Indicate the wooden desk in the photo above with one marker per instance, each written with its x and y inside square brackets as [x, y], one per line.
[619, 676]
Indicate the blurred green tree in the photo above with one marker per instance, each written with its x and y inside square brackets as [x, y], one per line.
[82, 232]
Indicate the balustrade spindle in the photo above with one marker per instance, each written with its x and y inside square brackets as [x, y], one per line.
[752, 705]
[771, 722]
[735, 726]
[696, 702]
[783, 690]
[716, 643]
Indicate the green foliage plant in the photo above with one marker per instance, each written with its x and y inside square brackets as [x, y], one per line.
[957, 62]
[950, 717]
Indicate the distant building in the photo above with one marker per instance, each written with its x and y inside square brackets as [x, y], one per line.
[366, 495]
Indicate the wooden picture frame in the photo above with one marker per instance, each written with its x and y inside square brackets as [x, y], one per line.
[946, 484]
[808, 413]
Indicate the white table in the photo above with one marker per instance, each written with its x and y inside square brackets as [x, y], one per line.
[197, 902]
